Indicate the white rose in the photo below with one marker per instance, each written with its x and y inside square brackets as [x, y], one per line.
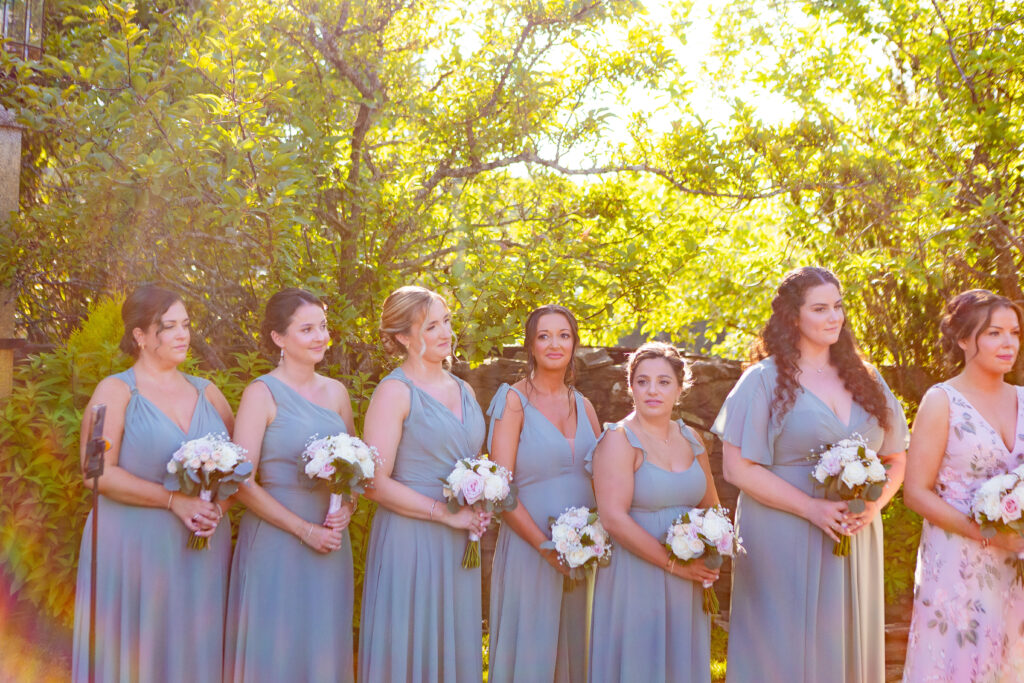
[493, 486]
[854, 474]
[562, 546]
[193, 463]
[366, 466]
[559, 532]
[876, 471]
[576, 557]
[820, 474]
[714, 527]
[696, 546]
[172, 467]
[991, 508]
[456, 477]
[681, 548]
[598, 533]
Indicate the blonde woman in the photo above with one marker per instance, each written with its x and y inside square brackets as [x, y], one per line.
[421, 608]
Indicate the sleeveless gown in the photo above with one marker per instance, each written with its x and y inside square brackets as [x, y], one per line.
[968, 622]
[160, 606]
[798, 612]
[289, 607]
[647, 624]
[537, 630]
[421, 616]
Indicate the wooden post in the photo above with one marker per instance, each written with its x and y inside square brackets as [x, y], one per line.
[10, 174]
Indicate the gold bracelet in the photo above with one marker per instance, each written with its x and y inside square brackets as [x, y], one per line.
[670, 566]
[169, 499]
[308, 534]
[432, 510]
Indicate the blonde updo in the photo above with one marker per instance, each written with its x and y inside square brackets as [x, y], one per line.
[403, 308]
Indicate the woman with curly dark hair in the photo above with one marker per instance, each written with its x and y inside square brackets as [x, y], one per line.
[800, 613]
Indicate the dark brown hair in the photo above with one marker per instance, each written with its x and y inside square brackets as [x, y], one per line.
[657, 350]
[279, 311]
[781, 335]
[970, 313]
[142, 308]
[530, 335]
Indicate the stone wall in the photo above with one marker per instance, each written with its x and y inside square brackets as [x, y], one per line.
[602, 379]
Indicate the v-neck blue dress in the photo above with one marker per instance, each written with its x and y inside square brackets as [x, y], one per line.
[290, 607]
[647, 624]
[537, 629]
[798, 612]
[421, 609]
[159, 605]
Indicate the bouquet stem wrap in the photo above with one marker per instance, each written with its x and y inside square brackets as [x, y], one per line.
[196, 542]
[591, 570]
[710, 599]
[471, 558]
[336, 501]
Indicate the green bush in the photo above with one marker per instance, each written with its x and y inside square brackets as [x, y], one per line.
[43, 503]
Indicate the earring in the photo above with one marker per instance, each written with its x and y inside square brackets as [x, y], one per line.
[281, 357]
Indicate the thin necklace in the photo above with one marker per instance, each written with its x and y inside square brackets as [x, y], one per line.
[658, 439]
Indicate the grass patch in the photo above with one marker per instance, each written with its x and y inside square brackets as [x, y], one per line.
[719, 645]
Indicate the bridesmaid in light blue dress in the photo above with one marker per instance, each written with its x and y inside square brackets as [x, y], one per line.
[159, 605]
[421, 616]
[648, 621]
[798, 612]
[541, 429]
[290, 604]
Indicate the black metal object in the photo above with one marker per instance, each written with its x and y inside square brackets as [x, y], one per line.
[94, 450]
[21, 22]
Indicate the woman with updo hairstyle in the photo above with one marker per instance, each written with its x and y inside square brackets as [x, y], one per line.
[155, 598]
[541, 429]
[290, 606]
[421, 608]
[799, 612]
[648, 619]
[968, 609]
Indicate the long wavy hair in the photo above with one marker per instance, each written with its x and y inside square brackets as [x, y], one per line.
[781, 335]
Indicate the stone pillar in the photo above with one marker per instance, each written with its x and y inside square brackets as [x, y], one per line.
[10, 173]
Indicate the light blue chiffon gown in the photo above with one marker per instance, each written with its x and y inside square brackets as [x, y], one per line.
[159, 605]
[799, 613]
[290, 607]
[649, 625]
[421, 617]
[537, 630]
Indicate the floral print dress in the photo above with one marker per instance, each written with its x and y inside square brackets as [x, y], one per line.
[968, 622]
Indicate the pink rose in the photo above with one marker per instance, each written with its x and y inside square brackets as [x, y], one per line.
[1010, 508]
[472, 487]
[724, 544]
[327, 471]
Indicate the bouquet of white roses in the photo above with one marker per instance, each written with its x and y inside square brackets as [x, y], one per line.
[482, 484]
[581, 542]
[343, 461]
[998, 505]
[708, 534]
[852, 472]
[210, 466]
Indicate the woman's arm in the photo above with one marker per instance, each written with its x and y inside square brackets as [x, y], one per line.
[710, 498]
[385, 416]
[769, 489]
[256, 410]
[924, 459]
[504, 446]
[614, 464]
[118, 484]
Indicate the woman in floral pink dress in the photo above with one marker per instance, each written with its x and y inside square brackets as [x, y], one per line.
[968, 622]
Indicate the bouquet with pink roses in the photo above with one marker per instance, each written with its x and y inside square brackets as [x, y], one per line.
[999, 505]
[708, 534]
[482, 484]
[343, 461]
